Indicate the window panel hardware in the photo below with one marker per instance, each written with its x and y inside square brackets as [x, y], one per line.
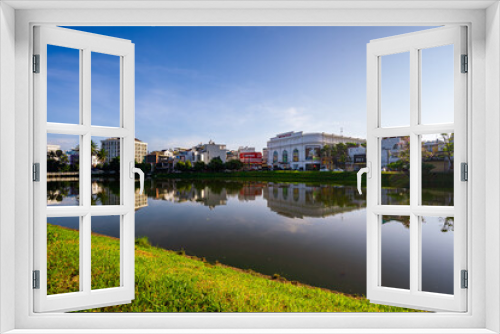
[36, 63]
[465, 64]
[36, 279]
[464, 168]
[368, 171]
[465, 279]
[36, 172]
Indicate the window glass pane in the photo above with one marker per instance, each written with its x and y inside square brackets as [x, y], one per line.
[437, 254]
[437, 85]
[63, 255]
[105, 90]
[63, 170]
[63, 85]
[105, 254]
[105, 170]
[395, 241]
[395, 163]
[395, 90]
[437, 169]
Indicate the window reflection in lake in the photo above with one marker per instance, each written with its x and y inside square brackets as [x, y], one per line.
[311, 233]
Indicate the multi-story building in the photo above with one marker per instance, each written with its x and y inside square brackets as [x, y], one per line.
[249, 157]
[153, 157]
[298, 150]
[141, 149]
[392, 148]
[357, 158]
[232, 155]
[264, 156]
[53, 148]
[112, 147]
[206, 152]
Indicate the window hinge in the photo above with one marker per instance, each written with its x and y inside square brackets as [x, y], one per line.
[36, 63]
[465, 64]
[465, 279]
[36, 279]
[464, 171]
[36, 172]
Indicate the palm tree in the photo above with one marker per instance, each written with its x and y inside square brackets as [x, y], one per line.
[93, 148]
[102, 154]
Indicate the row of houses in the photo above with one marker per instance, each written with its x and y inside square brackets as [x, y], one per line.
[290, 150]
[110, 145]
[167, 159]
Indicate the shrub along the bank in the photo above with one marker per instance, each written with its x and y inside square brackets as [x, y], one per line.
[389, 179]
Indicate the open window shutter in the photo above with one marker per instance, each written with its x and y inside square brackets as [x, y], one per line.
[380, 209]
[86, 296]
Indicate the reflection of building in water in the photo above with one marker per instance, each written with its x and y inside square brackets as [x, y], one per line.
[212, 199]
[250, 191]
[174, 191]
[299, 201]
[56, 196]
[141, 200]
[103, 195]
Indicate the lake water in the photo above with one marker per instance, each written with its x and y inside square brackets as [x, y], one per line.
[314, 234]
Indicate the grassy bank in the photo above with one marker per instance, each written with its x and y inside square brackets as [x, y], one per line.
[168, 281]
[275, 176]
[389, 179]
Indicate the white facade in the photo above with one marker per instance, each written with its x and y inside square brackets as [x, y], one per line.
[391, 149]
[53, 148]
[245, 149]
[141, 150]
[212, 150]
[112, 146]
[352, 151]
[297, 150]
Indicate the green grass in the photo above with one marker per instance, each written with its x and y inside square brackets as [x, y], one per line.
[389, 179]
[276, 176]
[168, 281]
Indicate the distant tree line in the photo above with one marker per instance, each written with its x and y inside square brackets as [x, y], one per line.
[58, 161]
[214, 165]
[336, 155]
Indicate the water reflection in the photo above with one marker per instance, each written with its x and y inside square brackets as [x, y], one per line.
[312, 233]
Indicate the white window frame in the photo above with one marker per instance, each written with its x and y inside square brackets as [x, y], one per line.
[413, 44]
[85, 43]
[484, 121]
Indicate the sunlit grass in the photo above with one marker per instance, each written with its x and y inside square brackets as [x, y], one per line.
[169, 282]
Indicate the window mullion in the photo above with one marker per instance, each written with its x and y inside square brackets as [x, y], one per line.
[414, 169]
[86, 173]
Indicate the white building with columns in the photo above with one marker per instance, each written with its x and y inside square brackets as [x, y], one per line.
[298, 150]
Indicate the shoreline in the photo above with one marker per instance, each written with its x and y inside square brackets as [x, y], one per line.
[171, 281]
[434, 181]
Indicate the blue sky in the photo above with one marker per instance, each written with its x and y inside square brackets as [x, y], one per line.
[240, 86]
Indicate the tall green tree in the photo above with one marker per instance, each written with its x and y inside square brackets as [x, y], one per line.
[449, 148]
[180, 165]
[234, 165]
[93, 148]
[115, 164]
[199, 166]
[215, 164]
[102, 154]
